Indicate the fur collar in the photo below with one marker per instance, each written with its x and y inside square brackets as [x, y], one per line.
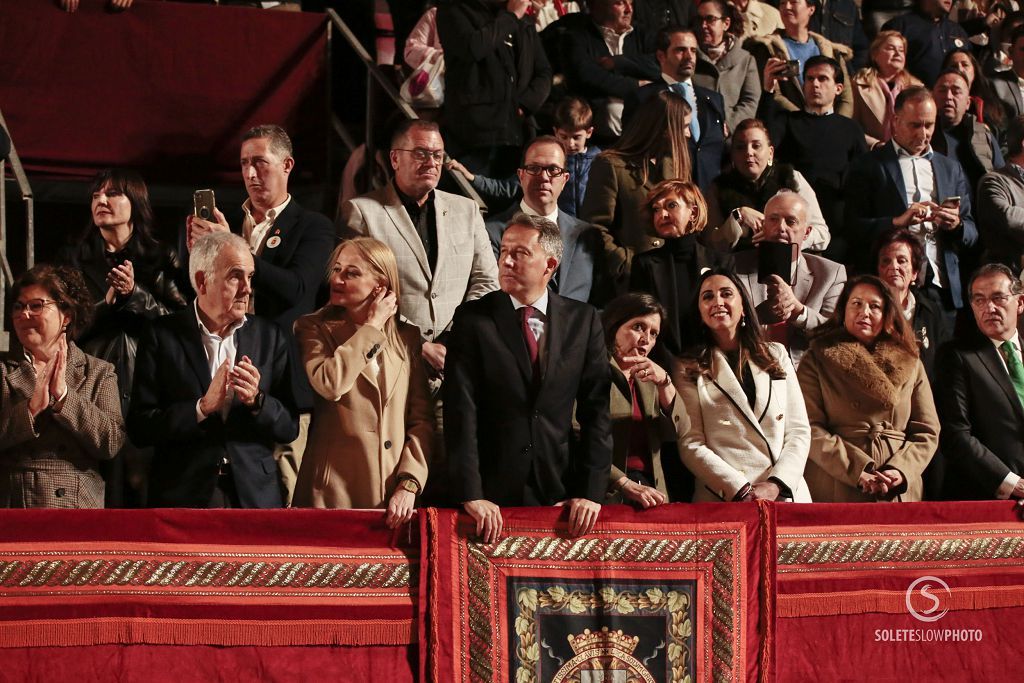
[774, 42]
[879, 373]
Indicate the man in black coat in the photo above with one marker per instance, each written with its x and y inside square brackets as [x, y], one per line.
[498, 77]
[519, 360]
[981, 401]
[213, 390]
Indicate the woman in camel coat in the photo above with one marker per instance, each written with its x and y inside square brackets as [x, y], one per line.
[873, 423]
[373, 427]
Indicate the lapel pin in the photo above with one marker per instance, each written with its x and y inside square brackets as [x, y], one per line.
[273, 242]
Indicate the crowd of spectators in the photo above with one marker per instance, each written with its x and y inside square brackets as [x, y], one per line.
[782, 247]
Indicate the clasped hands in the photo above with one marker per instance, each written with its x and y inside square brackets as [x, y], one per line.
[120, 281]
[880, 482]
[243, 378]
[51, 378]
[781, 300]
[583, 515]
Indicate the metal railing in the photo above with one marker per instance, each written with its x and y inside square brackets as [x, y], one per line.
[6, 275]
[377, 78]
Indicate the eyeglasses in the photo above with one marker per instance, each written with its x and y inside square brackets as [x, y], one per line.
[552, 171]
[709, 19]
[33, 306]
[999, 299]
[421, 154]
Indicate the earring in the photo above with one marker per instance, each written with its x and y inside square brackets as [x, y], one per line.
[743, 321]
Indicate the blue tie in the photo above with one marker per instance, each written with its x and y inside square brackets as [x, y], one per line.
[686, 90]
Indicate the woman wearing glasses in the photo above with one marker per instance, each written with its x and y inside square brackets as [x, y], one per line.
[130, 279]
[59, 410]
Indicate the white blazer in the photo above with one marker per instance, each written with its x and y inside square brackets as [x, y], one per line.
[730, 444]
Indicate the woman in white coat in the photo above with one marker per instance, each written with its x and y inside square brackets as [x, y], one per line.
[749, 436]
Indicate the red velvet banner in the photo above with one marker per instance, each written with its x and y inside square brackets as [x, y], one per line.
[170, 87]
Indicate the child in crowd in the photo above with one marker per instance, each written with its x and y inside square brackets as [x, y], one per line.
[574, 124]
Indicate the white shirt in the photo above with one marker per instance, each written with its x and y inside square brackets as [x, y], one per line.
[256, 232]
[217, 349]
[614, 40]
[1006, 488]
[537, 321]
[553, 216]
[919, 186]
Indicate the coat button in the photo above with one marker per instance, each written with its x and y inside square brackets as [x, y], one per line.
[429, 333]
[60, 493]
[387, 444]
[433, 295]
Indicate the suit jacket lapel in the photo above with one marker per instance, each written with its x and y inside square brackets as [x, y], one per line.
[192, 346]
[891, 164]
[804, 280]
[989, 357]
[441, 223]
[285, 227]
[553, 334]
[507, 321]
[727, 382]
[403, 224]
[570, 233]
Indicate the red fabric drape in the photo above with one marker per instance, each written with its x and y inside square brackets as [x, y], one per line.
[170, 87]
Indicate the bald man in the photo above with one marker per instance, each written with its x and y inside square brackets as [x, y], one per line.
[789, 308]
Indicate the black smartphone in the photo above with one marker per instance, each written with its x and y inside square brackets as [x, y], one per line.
[774, 258]
[204, 204]
[792, 69]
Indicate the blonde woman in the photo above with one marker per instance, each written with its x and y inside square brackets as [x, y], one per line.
[876, 86]
[373, 428]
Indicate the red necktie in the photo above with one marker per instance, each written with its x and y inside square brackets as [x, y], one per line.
[531, 341]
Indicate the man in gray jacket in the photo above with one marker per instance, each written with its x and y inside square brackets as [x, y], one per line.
[1001, 205]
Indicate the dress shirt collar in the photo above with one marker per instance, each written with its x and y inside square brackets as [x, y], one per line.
[903, 153]
[553, 216]
[998, 343]
[206, 333]
[540, 305]
[271, 214]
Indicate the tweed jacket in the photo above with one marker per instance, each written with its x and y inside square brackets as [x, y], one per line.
[736, 78]
[790, 95]
[660, 425]
[1001, 217]
[465, 269]
[865, 407]
[730, 444]
[372, 421]
[53, 460]
[817, 285]
[869, 102]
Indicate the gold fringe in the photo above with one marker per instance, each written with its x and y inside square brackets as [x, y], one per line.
[894, 602]
[132, 631]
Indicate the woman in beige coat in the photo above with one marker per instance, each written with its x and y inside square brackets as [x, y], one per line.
[875, 87]
[873, 423]
[373, 428]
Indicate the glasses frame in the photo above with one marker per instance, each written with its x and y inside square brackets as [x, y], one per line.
[422, 154]
[536, 169]
[21, 307]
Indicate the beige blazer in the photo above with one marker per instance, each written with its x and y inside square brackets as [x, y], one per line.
[869, 102]
[661, 427]
[52, 461]
[465, 269]
[730, 444]
[865, 407]
[372, 421]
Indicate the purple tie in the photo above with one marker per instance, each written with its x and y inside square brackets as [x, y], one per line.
[531, 341]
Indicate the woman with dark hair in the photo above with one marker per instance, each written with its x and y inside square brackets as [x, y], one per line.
[985, 104]
[653, 147]
[130, 280]
[678, 215]
[873, 423]
[900, 258]
[737, 198]
[645, 409]
[748, 435]
[59, 413]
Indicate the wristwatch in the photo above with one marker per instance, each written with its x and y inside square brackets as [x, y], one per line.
[736, 214]
[409, 484]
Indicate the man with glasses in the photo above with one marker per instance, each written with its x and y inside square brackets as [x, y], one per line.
[542, 176]
[444, 257]
[723, 65]
[982, 398]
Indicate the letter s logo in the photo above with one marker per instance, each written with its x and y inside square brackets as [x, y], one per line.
[931, 614]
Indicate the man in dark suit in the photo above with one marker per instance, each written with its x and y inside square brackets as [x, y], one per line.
[213, 390]
[291, 246]
[982, 380]
[518, 362]
[676, 52]
[542, 175]
[904, 184]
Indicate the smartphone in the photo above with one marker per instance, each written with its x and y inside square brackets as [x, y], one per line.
[792, 68]
[951, 202]
[204, 204]
[774, 258]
